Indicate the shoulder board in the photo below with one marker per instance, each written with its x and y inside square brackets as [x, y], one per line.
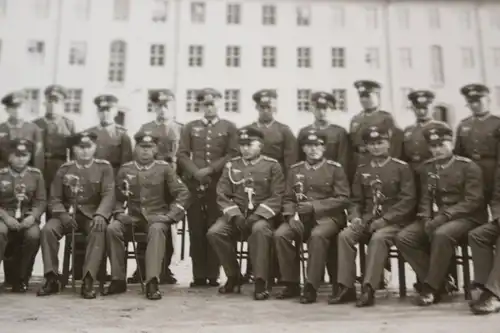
[4, 170]
[297, 164]
[161, 162]
[127, 163]
[407, 128]
[397, 160]
[465, 119]
[236, 158]
[101, 161]
[34, 170]
[463, 159]
[68, 164]
[361, 165]
[120, 127]
[337, 164]
[270, 159]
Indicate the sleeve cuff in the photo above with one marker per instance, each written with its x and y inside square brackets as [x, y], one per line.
[264, 211]
[232, 211]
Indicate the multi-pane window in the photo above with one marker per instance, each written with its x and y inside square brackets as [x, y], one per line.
[157, 55]
[73, 102]
[304, 57]
[77, 53]
[340, 98]
[303, 15]
[32, 101]
[467, 57]
[437, 69]
[121, 10]
[405, 103]
[117, 61]
[42, 8]
[192, 104]
[198, 12]
[195, 56]
[372, 57]
[268, 15]
[232, 100]
[269, 56]
[3, 8]
[233, 56]
[403, 18]
[36, 51]
[496, 56]
[82, 9]
[233, 13]
[405, 57]
[304, 100]
[371, 17]
[338, 57]
[434, 18]
[160, 11]
[338, 17]
[465, 18]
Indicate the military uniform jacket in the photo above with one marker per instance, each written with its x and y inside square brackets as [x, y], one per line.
[268, 185]
[169, 136]
[364, 120]
[113, 144]
[398, 190]
[325, 186]
[96, 194]
[415, 147]
[35, 198]
[459, 190]
[337, 143]
[206, 145]
[24, 130]
[155, 190]
[279, 143]
[55, 133]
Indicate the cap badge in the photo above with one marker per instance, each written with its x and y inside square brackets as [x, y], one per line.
[265, 99]
[422, 99]
[322, 100]
[147, 138]
[85, 139]
[434, 136]
[312, 137]
[374, 134]
[21, 147]
[361, 89]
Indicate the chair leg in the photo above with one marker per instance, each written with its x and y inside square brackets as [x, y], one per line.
[66, 259]
[401, 276]
[466, 271]
[183, 239]
[362, 261]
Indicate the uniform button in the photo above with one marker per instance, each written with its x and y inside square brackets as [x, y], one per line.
[209, 132]
[209, 138]
[208, 146]
[208, 153]
[208, 161]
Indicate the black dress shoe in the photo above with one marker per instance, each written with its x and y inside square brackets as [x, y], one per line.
[213, 283]
[343, 295]
[309, 294]
[231, 285]
[116, 287]
[52, 285]
[260, 291]
[168, 278]
[87, 290]
[291, 290]
[19, 287]
[152, 291]
[198, 283]
[367, 297]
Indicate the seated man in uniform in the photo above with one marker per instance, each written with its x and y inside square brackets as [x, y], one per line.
[156, 200]
[249, 194]
[317, 193]
[451, 204]
[22, 202]
[82, 198]
[383, 199]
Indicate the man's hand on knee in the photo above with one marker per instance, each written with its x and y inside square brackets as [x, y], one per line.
[28, 222]
[11, 223]
[98, 223]
[67, 221]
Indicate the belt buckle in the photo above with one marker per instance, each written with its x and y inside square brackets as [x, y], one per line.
[476, 156]
[415, 158]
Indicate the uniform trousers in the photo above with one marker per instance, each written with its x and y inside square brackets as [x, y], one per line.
[430, 257]
[223, 236]
[379, 244]
[52, 233]
[483, 241]
[318, 235]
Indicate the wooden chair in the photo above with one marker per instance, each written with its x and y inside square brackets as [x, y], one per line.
[182, 232]
[462, 258]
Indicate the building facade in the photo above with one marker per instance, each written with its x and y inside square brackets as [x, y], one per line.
[128, 47]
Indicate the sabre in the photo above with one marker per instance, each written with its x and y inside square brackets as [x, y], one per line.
[432, 187]
[298, 189]
[249, 190]
[73, 182]
[20, 191]
[378, 198]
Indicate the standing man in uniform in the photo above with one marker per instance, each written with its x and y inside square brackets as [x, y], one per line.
[451, 204]
[383, 199]
[88, 184]
[337, 145]
[205, 147]
[157, 199]
[372, 115]
[317, 191]
[259, 178]
[113, 143]
[22, 191]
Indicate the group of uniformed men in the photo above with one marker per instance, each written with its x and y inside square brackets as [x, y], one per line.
[375, 185]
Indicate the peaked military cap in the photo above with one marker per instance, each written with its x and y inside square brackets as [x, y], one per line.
[264, 96]
[208, 95]
[161, 96]
[146, 138]
[13, 99]
[323, 99]
[312, 137]
[21, 146]
[248, 134]
[421, 98]
[83, 139]
[474, 91]
[375, 133]
[436, 133]
[55, 92]
[365, 87]
[105, 101]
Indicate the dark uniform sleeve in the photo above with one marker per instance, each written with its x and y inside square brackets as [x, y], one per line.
[289, 200]
[272, 205]
[231, 149]
[107, 192]
[397, 139]
[40, 199]
[473, 194]
[39, 155]
[57, 192]
[126, 146]
[344, 149]
[184, 152]
[355, 208]
[424, 204]
[119, 196]
[340, 199]
[459, 148]
[178, 191]
[407, 198]
[224, 196]
[290, 147]
[495, 202]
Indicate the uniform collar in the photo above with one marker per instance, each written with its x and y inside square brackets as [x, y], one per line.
[369, 113]
[484, 116]
[252, 162]
[144, 167]
[314, 166]
[19, 124]
[206, 122]
[84, 166]
[259, 124]
[109, 126]
[316, 126]
[14, 173]
[447, 162]
[424, 122]
[375, 164]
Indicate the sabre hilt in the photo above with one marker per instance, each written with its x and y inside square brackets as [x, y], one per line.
[378, 197]
[127, 193]
[249, 189]
[73, 182]
[298, 189]
[432, 185]
[20, 192]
